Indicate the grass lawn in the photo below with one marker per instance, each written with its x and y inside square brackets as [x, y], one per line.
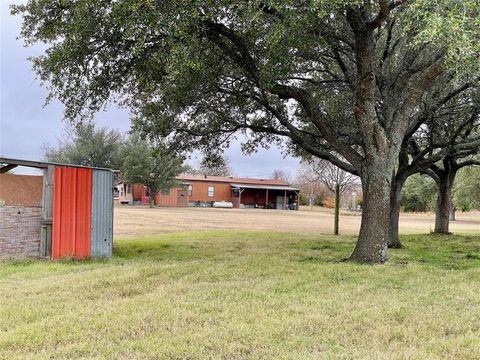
[246, 295]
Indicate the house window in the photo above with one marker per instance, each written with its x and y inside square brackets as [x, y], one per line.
[129, 189]
[190, 190]
[211, 191]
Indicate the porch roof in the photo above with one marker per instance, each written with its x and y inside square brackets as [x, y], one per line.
[263, 187]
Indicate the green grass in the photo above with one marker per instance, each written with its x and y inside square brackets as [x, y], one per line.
[241, 295]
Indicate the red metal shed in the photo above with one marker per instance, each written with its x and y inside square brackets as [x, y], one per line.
[76, 210]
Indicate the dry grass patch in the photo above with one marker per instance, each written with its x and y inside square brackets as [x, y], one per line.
[135, 221]
[246, 295]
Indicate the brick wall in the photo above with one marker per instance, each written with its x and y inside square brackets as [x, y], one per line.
[19, 231]
[21, 190]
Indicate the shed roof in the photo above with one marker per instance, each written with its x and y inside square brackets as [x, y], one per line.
[233, 180]
[12, 163]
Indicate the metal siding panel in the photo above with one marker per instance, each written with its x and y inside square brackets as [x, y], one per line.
[47, 212]
[84, 210]
[57, 210]
[72, 204]
[102, 214]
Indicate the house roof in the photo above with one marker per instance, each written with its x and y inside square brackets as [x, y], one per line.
[263, 187]
[233, 180]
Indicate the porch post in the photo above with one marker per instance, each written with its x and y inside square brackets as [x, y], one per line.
[240, 198]
[285, 201]
[266, 200]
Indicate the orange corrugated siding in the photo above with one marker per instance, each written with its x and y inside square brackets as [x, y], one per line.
[72, 206]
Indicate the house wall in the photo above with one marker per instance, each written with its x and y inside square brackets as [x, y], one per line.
[176, 197]
[252, 197]
[23, 190]
[200, 191]
[124, 193]
[20, 215]
[137, 192]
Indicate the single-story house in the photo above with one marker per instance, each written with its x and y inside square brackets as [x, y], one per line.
[202, 190]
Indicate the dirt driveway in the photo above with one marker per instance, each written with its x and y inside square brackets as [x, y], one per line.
[139, 220]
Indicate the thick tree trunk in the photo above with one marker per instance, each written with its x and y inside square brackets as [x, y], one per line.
[395, 195]
[444, 203]
[371, 246]
[337, 209]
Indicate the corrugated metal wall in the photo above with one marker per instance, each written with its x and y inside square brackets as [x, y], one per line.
[72, 205]
[102, 214]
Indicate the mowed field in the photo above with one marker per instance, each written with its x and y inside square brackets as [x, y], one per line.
[247, 284]
[140, 220]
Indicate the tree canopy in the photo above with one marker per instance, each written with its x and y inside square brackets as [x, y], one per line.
[215, 165]
[86, 145]
[152, 164]
[466, 192]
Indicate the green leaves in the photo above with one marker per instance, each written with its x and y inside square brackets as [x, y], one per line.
[87, 146]
[150, 163]
[454, 25]
[466, 193]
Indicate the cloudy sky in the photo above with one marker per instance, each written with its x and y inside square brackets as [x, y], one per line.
[26, 125]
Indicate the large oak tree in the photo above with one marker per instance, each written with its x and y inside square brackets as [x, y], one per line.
[331, 77]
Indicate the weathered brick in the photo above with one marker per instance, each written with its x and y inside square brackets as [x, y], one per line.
[20, 231]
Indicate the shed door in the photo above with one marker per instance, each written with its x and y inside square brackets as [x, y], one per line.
[72, 206]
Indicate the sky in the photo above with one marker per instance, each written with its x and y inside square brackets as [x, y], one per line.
[26, 125]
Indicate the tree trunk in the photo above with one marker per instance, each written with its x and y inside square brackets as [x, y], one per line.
[395, 195]
[152, 197]
[444, 203]
[371, 245]
[337, 209]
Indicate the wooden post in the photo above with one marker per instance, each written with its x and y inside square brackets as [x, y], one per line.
[240, 198]
[337, 209]
[285, 201]
[47, 212]
[266, 200]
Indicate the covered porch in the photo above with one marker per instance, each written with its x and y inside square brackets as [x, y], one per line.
[264, 197]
